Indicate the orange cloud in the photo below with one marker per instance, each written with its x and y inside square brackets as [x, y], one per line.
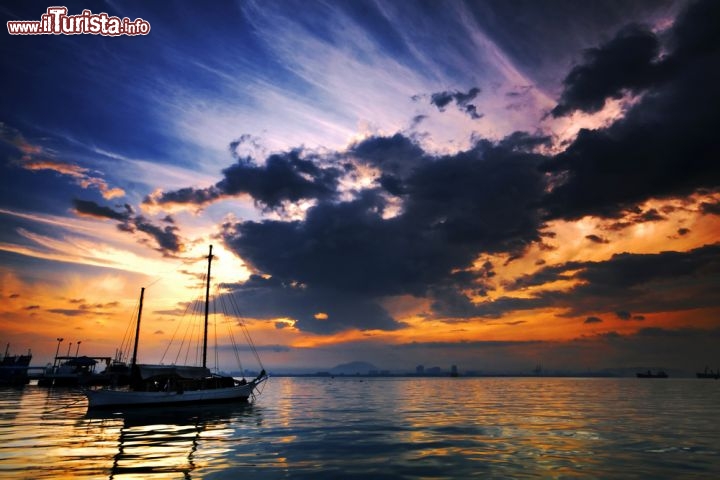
[82, 175]
[35, 158]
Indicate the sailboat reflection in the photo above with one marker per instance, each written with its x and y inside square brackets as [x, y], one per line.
[173, 441]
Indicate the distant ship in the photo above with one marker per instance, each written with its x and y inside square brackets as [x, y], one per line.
[649, 374]
[13, 369]
[709, 374]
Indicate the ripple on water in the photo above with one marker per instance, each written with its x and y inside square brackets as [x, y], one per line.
[377, 428]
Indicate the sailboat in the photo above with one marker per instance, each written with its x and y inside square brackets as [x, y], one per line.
[175, 384]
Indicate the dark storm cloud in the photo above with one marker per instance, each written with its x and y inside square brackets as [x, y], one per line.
[462, 100]
[166, 238]
[87, 207]
[188, 195]
[627, 282]
[482, 199]
[525, 142]
[461, 306]
[454, 207]
[627, 62]
[346, 246]
[269, 298]
[709, 208]
[284, 177]
[593, 320]
[635, 215]
[545, 275]
[666, 144]
[639, 280]
[393, 185]
[396, 155]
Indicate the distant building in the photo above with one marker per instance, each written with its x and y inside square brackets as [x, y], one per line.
[453, 371]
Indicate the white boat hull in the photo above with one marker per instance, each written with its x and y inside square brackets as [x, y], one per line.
[127, 398]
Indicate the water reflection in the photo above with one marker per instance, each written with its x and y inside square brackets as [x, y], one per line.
[377, 428]
[507, 428]
[172, 441]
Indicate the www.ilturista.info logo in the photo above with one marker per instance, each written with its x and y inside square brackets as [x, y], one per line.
[57, 22]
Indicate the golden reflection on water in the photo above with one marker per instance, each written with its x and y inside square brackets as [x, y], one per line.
[165, 443]
[137, 443]
[394, 427]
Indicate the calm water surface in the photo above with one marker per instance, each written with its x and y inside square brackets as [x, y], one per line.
[379, 428]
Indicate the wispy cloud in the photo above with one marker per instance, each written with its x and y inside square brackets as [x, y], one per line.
[78, 241]
[35, 158]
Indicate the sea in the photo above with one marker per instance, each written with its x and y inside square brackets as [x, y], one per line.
[378, 428]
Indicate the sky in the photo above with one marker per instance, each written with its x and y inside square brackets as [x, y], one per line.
[487, 184]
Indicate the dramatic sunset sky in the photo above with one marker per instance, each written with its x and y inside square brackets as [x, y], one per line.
[485, 183]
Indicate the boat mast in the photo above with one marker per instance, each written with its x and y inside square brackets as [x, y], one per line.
[137, 330]
[207, 309]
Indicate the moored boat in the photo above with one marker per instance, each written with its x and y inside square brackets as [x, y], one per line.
[13, 369]
[176, 388]
[76, 371]
[176, 384]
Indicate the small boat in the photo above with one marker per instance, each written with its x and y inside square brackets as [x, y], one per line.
[77, 371]
[709, 374]
[649, 374]
[13, 369]
[152, 385]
